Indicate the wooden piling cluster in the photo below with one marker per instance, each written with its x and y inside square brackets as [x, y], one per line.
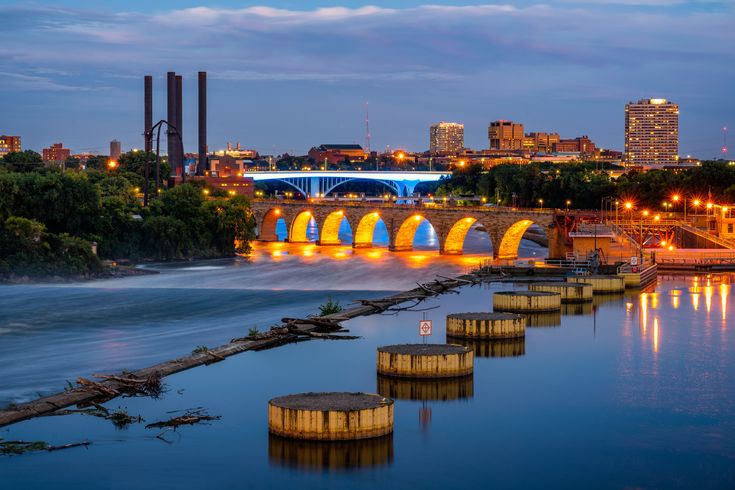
[569, 292]
[485, 325]
[330, 416]
[425, 360]
[526, 301]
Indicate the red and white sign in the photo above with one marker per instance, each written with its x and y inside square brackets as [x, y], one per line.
[425, 327]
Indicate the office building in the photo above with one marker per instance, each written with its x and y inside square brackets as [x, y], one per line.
[115, 150]
[505, 135]
[56, 153]
[446, 138]
[651, 132]
[9, 144]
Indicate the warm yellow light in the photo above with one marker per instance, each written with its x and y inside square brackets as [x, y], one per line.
[645, 212]
[206, 192]
[663, 243]
[484, 199]
[417, 217]
[657, 217]
[725, 209]
[277, 211]
[671, 247]
[376, 215]
[112, 164]
[628, 205]
[696, 202]
[710, 205]
[675, 198]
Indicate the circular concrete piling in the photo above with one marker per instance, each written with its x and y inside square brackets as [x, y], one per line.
[330, 416]
[600, 284]
[425, 360]
[485, 325]
[523, 301]
[571, 292]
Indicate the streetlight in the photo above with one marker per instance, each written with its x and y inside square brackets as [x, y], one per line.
[541, 203]
[568, 203]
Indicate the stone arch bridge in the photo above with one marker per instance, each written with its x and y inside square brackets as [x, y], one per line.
[505, 226]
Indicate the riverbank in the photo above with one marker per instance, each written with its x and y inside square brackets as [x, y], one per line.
[109, 272]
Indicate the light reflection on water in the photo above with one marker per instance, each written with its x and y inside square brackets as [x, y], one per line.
[630, 391]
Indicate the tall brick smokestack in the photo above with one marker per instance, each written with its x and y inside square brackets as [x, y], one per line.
[203, 163]
[179, 123]
[148, 112]
[171, 117]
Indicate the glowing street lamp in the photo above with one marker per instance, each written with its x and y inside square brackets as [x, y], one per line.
[112, 164]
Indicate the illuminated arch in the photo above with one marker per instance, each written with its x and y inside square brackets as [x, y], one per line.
[329, 229]
[363, 235]
[299, 225]
[454, 244]
[407, 232]
[508, 248]
[267, 230]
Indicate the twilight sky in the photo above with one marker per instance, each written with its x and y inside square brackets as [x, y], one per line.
[284, 76]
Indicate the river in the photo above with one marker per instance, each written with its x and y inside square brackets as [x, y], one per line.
[635, 390]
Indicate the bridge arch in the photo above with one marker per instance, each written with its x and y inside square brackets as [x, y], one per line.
[299, 226]
[329, 228]
[404, 237]
[508, 248]
[267, 226]
[454, 242]
[363, 235]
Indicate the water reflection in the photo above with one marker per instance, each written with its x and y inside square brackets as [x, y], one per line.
[330, 455]
[443, 389]
[546, 319]
[569, 309]
[601, 299]
[493, 348]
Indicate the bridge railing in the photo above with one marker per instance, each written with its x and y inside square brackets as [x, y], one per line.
[401, 203]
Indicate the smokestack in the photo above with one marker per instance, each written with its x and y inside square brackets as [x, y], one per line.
[148, 112]
[179, 124]
[171, 117]
[203, 163]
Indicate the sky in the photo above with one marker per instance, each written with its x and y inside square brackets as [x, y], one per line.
[286, 76]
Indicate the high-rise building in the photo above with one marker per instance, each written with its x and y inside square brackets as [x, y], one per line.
[505, 135]
[56, 153]
[446, 137]
[540, 142]
[9, 144]
[652, 132]
[115, 150]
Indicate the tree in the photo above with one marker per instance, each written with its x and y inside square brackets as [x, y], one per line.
[22, 161]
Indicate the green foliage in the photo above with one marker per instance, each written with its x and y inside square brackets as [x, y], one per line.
[200, 349]
[330, 308]
[22, 161]
[48, 217]
[585, 186]
[253, 333]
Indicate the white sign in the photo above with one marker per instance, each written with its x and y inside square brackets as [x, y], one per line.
[634, 261]
[425, 327]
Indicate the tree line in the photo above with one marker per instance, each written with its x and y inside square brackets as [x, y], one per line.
[50, 219]
[581, 186]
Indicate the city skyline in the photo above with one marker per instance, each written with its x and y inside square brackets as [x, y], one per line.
[285, 80]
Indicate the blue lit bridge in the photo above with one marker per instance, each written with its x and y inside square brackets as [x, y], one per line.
[320, 183]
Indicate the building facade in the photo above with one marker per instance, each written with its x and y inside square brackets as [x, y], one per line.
[651, 132]
[115, 150]
[334, 154]
[582, 145]
[505, 135]
[56, 153]
[540, 142]
[446, 138]
[9, 144]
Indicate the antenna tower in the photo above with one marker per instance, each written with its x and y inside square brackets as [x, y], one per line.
[367, 129]
[724, 142]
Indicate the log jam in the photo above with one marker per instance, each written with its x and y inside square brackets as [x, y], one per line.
[571, 292]
[486, 325]
[425, 360]
[330, 416]
[523, 301]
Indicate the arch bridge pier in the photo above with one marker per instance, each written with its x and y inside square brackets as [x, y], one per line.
[504, 226]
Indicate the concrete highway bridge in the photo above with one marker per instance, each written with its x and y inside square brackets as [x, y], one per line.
[505, 226]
